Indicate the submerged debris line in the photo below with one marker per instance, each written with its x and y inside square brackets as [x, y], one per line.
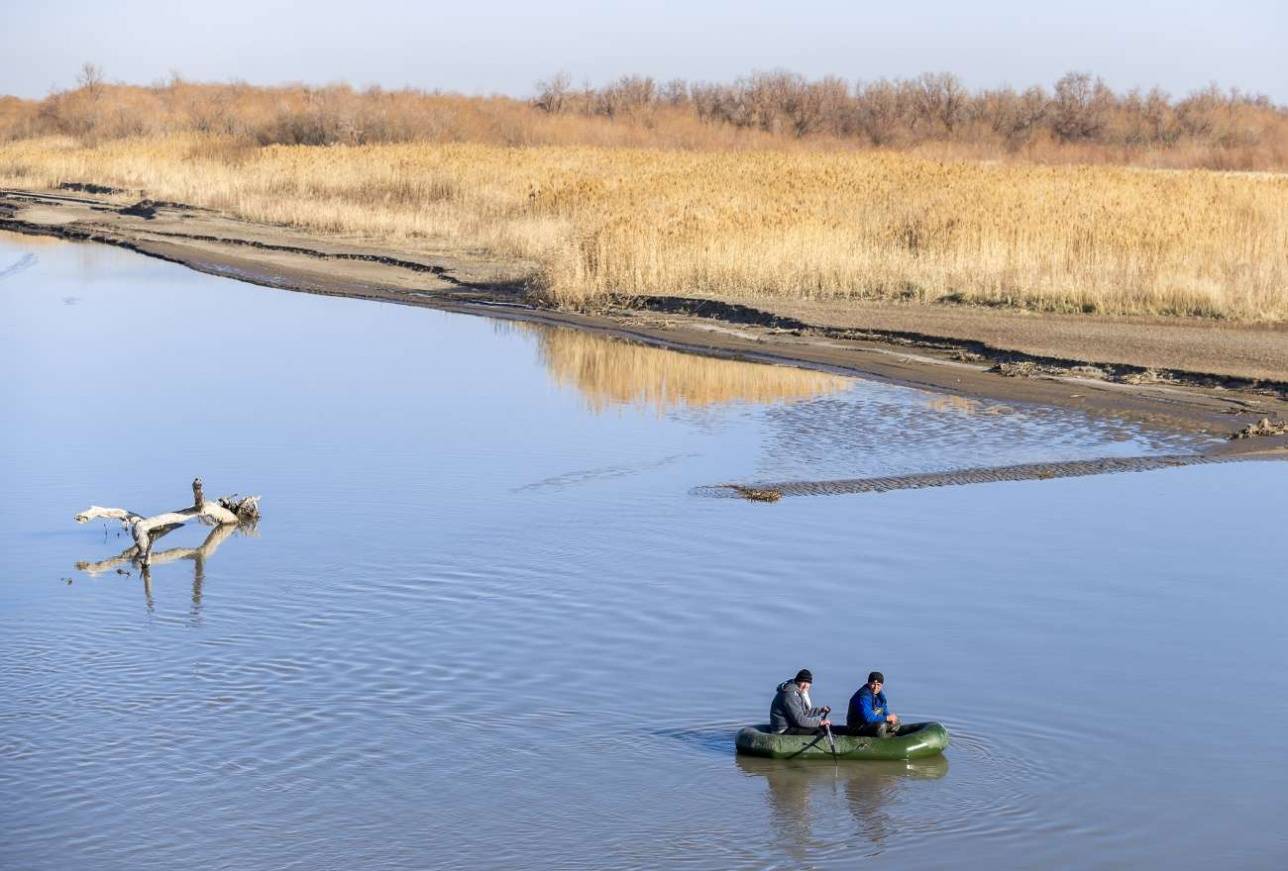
[1022, 472]
[757, 494]
[1263, 427]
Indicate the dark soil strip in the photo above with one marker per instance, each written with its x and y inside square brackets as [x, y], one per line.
[412, 265]
[89, 188]
[440, 272]
[1011, 363]
[1023, 472]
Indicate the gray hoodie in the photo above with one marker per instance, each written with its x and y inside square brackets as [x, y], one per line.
[790, 710]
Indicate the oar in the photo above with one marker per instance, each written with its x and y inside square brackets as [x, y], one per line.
[830, 740]
[806, 747]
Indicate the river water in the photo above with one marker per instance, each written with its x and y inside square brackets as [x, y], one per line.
[487, 621]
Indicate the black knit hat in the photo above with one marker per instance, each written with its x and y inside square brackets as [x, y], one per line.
[804, 676]
[876, 677]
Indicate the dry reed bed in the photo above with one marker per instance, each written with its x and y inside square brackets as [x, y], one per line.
[821, 224]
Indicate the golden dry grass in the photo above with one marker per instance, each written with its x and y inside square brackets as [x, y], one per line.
[621, 222]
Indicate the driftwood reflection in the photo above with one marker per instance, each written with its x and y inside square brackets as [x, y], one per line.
[129, 560]
[867, 789]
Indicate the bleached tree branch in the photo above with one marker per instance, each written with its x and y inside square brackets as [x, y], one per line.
[145, 530]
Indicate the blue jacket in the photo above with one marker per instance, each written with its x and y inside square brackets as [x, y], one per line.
[866, 708]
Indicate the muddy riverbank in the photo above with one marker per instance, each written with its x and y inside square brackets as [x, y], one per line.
[1200, 377]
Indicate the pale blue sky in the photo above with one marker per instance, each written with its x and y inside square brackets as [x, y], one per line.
[493, 46]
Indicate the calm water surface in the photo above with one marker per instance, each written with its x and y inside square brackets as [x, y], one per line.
[484, 622]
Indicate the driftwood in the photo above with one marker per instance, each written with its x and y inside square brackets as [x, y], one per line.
[227, 511]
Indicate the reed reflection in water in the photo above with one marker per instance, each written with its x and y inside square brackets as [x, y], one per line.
[609, 372]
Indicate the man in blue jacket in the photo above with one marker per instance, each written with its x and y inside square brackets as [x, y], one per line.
[869, 712]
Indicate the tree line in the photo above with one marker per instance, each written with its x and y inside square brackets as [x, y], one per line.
[936, 107]
[1079, 119]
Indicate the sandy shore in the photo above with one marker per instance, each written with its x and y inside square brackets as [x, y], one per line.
[1204, 377]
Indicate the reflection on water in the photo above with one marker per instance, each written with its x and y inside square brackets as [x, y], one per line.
[198, 555]
[879, 430]
[611, 372]
[867, 790]
[965, 406]
[821, 425]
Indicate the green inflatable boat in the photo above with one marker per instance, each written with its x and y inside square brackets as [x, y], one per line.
[914, 741]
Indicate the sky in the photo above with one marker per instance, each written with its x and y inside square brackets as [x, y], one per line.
[505, 46]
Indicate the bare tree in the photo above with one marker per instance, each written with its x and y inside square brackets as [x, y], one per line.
[675, 92]
[627, 94]
[940, 100]
[878, 111]
[90, 79]
[1080, 107]
[1011, 116]
[552, 93]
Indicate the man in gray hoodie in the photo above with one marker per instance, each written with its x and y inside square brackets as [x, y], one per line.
[791, 713]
